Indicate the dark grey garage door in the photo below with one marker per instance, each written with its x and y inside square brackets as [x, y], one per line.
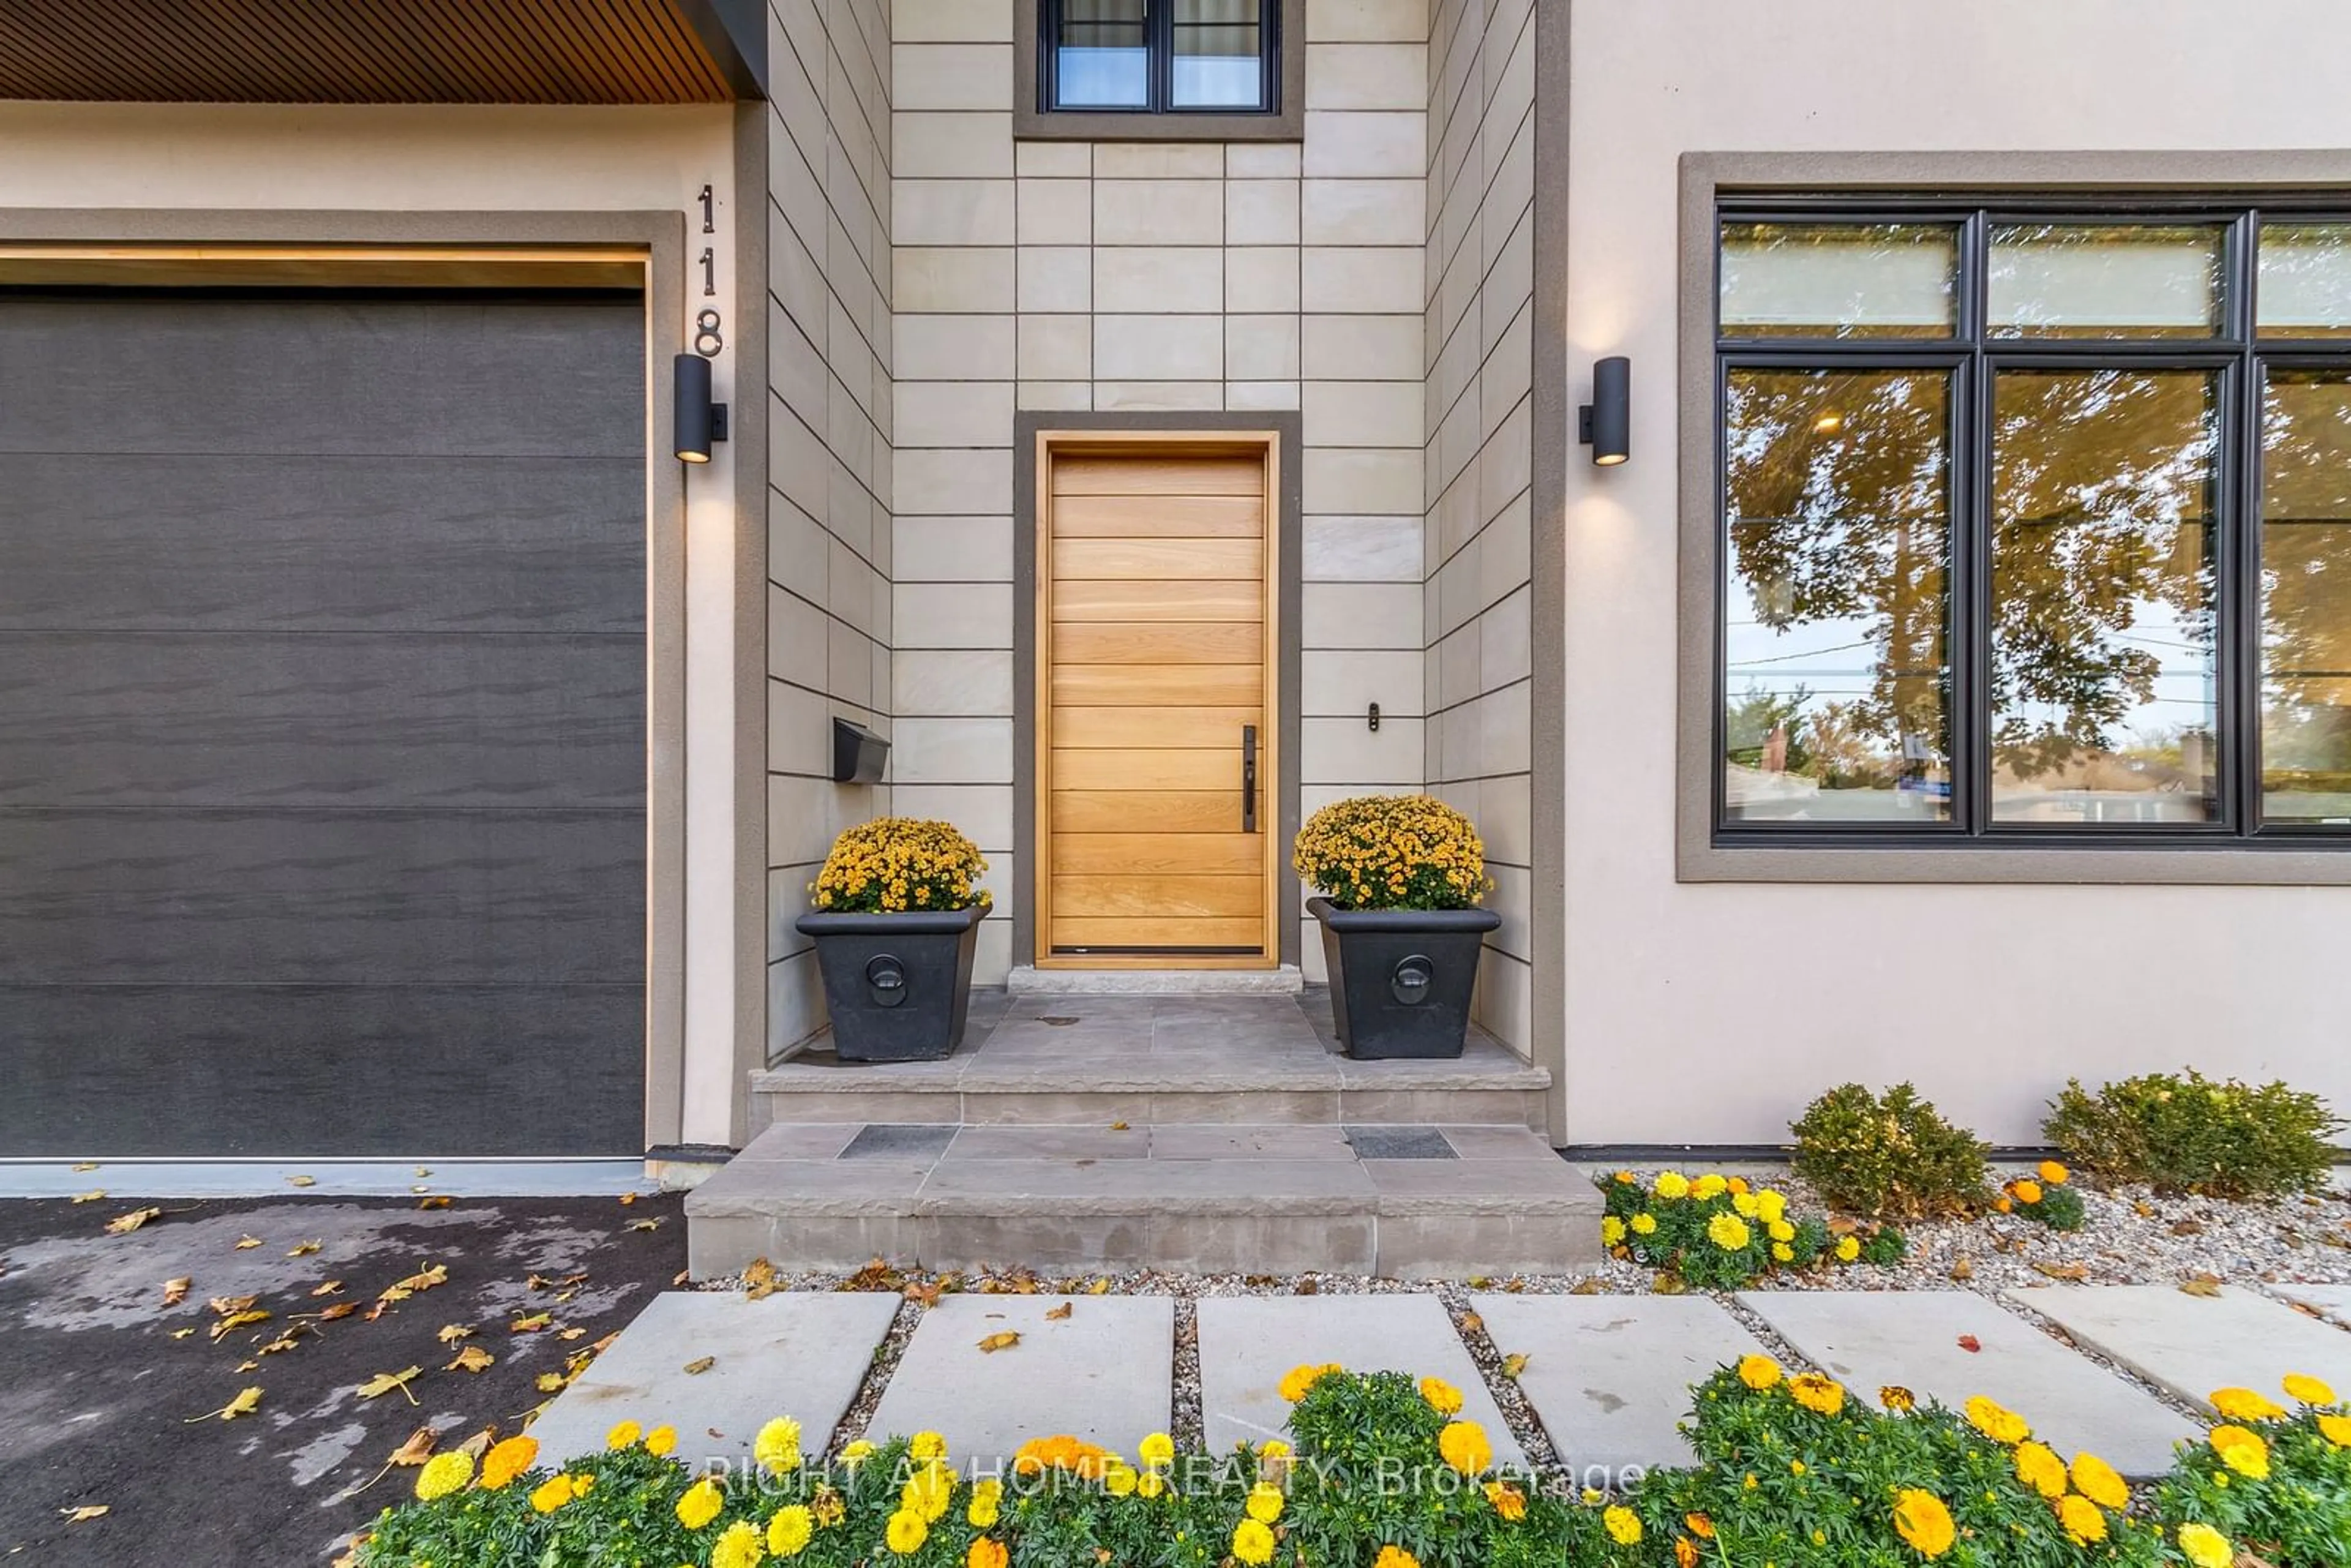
[322, 746]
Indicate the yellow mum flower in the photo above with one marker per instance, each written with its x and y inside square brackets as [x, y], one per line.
[790, 1531]
[2307, 1390]
[1622, 1524]
[1758, 1372]
[987, 1503]
[1728, 1232]
[1158, 1450]
[1394, 1557]
[1252, 1544]
[2081, 1517]
[2206, 1547]
[2244, 1405]
[508, 1459]
[552, 1493]
[700, 1504]
[622, 1435]
[444, 1473]
[1815, 1393]
[924, 1447]
[2335, 1429]
[2100, 1482]
[778, 1446]
[1300, 1380]
[660, 1442]
[1848, 1248]
[2242, 1451]
[1644, 1224]
[1463, 1445]
[1442, 1396]
[1672, 1184]
[2002, 1426]
[1707, 1186]
[2038, 1467]
[1265, 1502]
[1772, 1204]
[739, 1545]
[1506, 1500]
[1922, 1521]
[986, 1554]
[2054, 1174]
[906, 1532]
[1612, 1231]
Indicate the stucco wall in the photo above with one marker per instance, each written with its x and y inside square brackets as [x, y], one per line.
[829, 423]
[1480, 283]
[1711, 1012]
[1075, 276]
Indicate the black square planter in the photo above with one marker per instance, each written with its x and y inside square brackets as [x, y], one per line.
[1401, 980]
[898, 986]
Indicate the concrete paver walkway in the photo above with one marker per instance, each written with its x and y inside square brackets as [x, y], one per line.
[2193, 1344]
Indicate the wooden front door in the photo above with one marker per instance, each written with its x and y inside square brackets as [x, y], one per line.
[1156, 726]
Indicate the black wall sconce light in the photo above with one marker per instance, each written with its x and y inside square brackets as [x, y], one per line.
[696, 420]
[1605, 424]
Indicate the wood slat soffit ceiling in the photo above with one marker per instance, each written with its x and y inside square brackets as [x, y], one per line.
[382, 51]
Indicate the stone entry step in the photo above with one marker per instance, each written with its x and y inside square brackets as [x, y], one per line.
[1404, 1200]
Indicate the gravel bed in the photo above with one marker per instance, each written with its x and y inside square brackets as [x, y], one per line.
[1509, 1398]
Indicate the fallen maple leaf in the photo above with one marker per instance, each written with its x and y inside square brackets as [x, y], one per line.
[328, 1289]
[567, 1336]
[699, 1365]
[417, 1449]
[2201, 1285]
[997, 1341]
[531, 1324]
[422, 1280]
[1471, 1322]
[340, 1310]
[124, 1224]
[1118, 1126]
[284, 1342]
[86, 1166]
[246, 1243]
[91, 1196]
[85, 1513]
[1055, 1314]
[1969, 1343]
[2072, 1272]
[236, 1320]
[1514, 1364]
[759, 1280]
[473, 1358]
[303, 1180]
[1962, 1270]
[176, 1291]
[551, 1382]
[181, 1334]
[648, 1225]
[245, 1404]
[228, 1305]
[384, 1383]
[303, 1248]
[452, 1333]
[432, 1203]
[627, 1198]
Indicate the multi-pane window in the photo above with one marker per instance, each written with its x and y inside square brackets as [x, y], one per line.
[2035, 525]
[1160, 56]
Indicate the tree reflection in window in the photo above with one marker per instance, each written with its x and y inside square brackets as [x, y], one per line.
[2305, 577]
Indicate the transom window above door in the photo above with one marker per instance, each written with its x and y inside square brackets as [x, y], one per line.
[1159, 56]
[2034, 525]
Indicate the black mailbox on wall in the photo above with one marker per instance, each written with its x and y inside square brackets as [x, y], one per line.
[857, 754]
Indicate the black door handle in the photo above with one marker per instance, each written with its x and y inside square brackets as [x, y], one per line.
[1249, 779]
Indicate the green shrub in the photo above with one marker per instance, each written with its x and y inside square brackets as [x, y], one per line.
[2191, 1134]
[1889, 1156]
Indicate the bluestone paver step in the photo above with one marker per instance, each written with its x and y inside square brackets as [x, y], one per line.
[1104, 1371]
[1609, 1376]
[801, 1355]
[1249, 1342]
[2192, 1344]
[1918, 1339]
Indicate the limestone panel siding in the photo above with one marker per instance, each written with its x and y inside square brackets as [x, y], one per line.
[1479, 360]
[829, 539]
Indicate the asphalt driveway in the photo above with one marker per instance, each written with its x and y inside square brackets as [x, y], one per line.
[106, 1386]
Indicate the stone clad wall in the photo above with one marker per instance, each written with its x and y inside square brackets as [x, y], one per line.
[828, 417]
[1480, 367]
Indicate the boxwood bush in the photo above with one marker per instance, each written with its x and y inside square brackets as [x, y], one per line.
[2184, 1133]
[1889, 1156]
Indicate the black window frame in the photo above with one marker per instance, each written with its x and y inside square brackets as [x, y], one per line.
[1970, 355]
[1159, 46]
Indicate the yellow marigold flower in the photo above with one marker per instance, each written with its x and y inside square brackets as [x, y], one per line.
[1772, 1204]
[2244, 1405]
[924, 1447]
[444, 1473]
[2305, 1389]
[739, 1545]
[2242, 1451]
[1685, 1552]
[1442, 1396]
[508, 1459]
[1783, 1253]
[1795, 1467]
[2025, 1191]
[2038, 1467]
[2335, 1429]
[552, 1493]
[1593, 1497]
[1758, 1372]
[1896, 1398]
[1778, 1230]
[986, 1554]
[1265, 1502]
[1150, 1484]
[1708, 1185]
[1745, 1205]
[700, 1504]
[987, 1503]
[660, 1442]
[1300, 1380]
[2054, 1174]
[1158, 1450]
[1923, 1523]
[1119, 1480]
[1739, 1186]
[2100, 1482]
[1463, 1445]
[1848, 1248]
[2081, 1517]
[1625, 1178]
[2206, 1547]
[1506, 1500]
[1815, 1393]
[906, 1532]
[1612, 1231]
[778, 1446]
[1644, 1224]
[927, 1491]
[622, 1435]
[790, 1531]
[1671, 1185]
[1252, 1544]
[1394, 1557]
[1728, 1232]
[857, 1453]
[2002, 1426]
[828, 1507]
[1622, 1524]
[1699, 1525]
